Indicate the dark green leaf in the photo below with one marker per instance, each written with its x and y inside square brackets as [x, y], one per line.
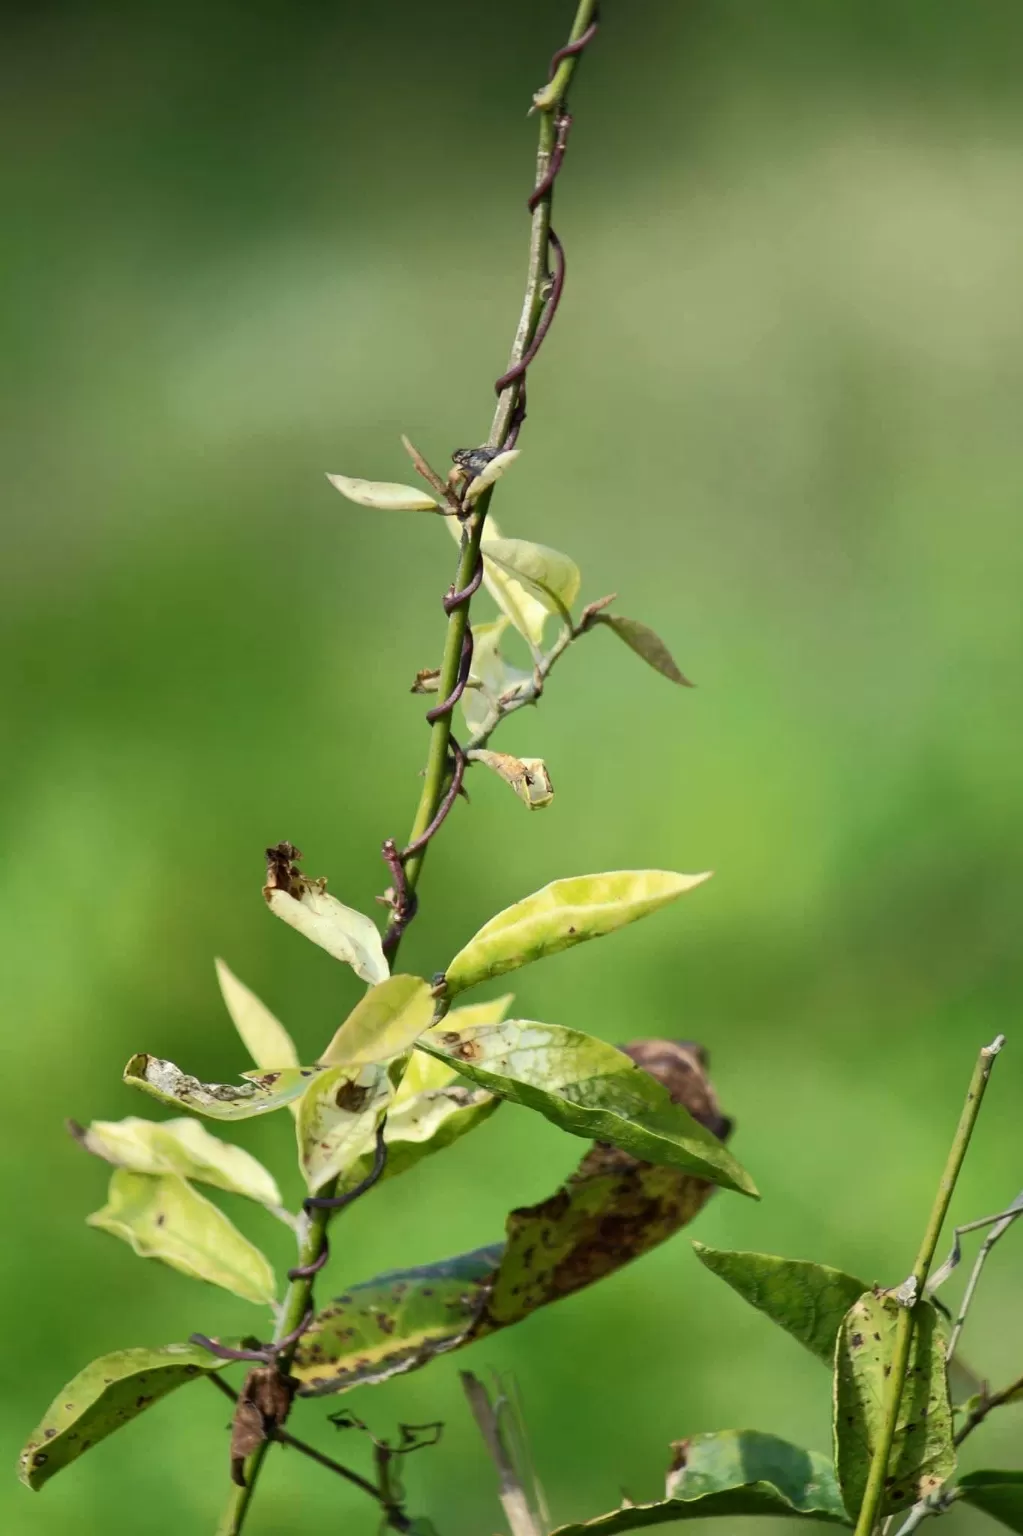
[609, 1212]
[109, 1393]
[590, 1089]
[923, 1456]
[647, 644]
[999, 1494]
[807, 1300]
[732, 1473]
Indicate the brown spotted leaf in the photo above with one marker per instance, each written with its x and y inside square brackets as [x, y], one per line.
[104, 1397]
[611, 1210]
[923, 1455]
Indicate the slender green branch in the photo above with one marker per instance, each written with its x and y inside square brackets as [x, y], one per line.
[299, 1293]
[296, 1304]
[911, 1292]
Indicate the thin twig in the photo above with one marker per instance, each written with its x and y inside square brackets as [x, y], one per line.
[911, 1292]
[999, 1226]
[988, 1402]
[395, 1518]
[514, 1499]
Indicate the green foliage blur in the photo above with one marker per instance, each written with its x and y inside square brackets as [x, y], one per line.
[779, 414]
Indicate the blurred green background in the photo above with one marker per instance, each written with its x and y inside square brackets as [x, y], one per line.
[779, 414]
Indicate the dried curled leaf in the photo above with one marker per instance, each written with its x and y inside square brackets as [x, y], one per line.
[527, 776]
[263, 1405]
[264, 1037]
[384, 1023]
[922, 1456]
[265, 1092]
[104, 1397]
[384, 495]
[307, 906]
[163, 1217]
[183, 1147]
[646, 643]
[612, 1210]
[562, 914]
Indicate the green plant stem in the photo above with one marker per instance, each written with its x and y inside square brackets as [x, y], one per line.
[537, 277]
[914, 1286]
[296, 1304]
[299, 1293]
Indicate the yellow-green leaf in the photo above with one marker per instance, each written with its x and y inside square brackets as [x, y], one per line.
[218, 1101]
[338, 1118]
[525, 612]
[807, 1300]
[922, 1457]
[104, 1397]
[384, 1023]
[163, 1217]
[548, 575]
[425, 1123]
[646, 643]
[495, 680]
[564, 913]
[344, 933]
[183, 1147]
[425, 1073]
[590, 1089]
[384, 495]
[490, 473]
[527, 776]
[264, 1037]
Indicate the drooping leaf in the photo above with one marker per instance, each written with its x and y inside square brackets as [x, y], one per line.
[423, 1124]
[641, 639]
[183, 1147]
[561, 914]
[496, 680]
[612, 1210]
[393, 1324]
[923, 1456]
[491, 472]
[338, 1118]
[525, 612]
[998, 1494]
[218, 1101]
[264, 1037]
[732, 1473]
[344, 933]
[807, 1300]
[384, 495]
[163, 1217]
[589, 1088]
[527, 776]
[108, 1394]
[384, 1023]
[546, 574]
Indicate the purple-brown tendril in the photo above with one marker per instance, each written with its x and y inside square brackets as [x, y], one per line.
[453, 791]
[401, 899]
[268, 1354]
[464, 665]
[455, 599]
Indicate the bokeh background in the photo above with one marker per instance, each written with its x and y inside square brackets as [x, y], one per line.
[779, 414]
